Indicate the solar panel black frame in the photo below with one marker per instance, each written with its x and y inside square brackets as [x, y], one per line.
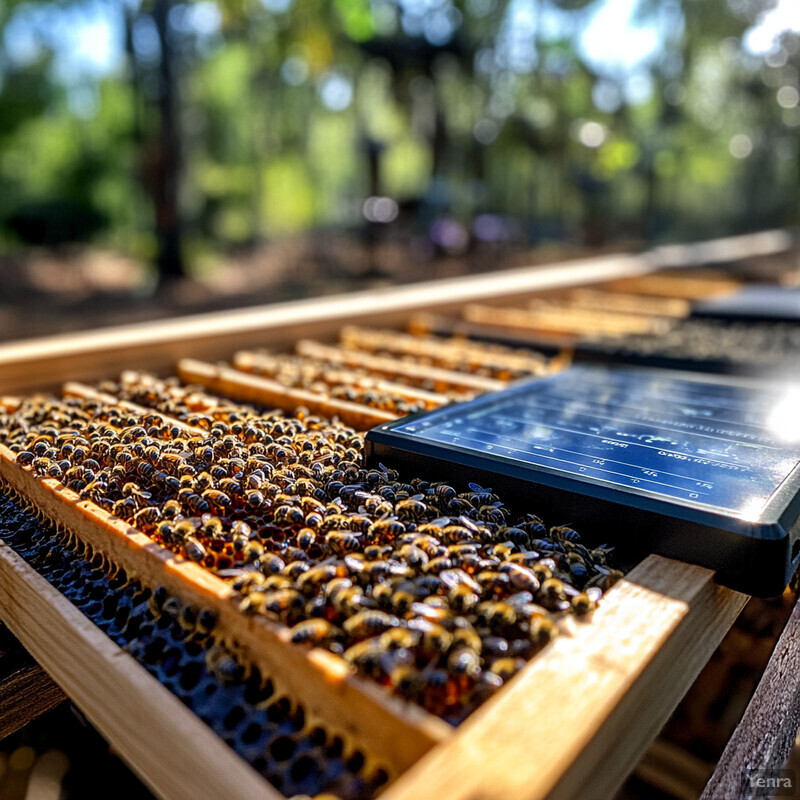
[755, 556]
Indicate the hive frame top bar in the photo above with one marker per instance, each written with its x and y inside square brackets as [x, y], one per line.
[46, 362]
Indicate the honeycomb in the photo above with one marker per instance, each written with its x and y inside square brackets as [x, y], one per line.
[176, 645]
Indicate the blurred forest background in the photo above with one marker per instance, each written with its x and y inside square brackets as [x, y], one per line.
[224, 151]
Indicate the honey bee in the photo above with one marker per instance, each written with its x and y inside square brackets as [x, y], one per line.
[565, 533]
[382, 594]
[406, 680]
[456, 534]
[270, 563]
[222, 666]
[212, 528]
[230, 486]
[206, 621]
[194, 502]
[282, 601]
[436, 640]
[25, 458]
[369, 622]
[294, 569]
[462, 598]
[385, 529]
[314, 632]
[541, 630]
[252, 580]
[203, 481]
[193, 550]
[492, 513]
[216, 498]
[479, 496]
[311, 505]
[497, 615]
[442, 491]
[553, 588]
[252, 551]
[586, 602]
[273, 583]
[439, 564]
[171, 509]
[289, 514]
[341, 542]
[542, 571]
[125, 508]
[305, 538]
[411, 509]
[149, 515]
[399, 639]
[310, 581]
[464, 661]
[368, 656]
[218, 472]
[506, 668]
[521, 577]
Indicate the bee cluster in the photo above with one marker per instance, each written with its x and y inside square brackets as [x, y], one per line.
[731, 343]
[356, 386]
[439, 594]
[565, 320]
[176, 643]
[452, 353]
[643, 320]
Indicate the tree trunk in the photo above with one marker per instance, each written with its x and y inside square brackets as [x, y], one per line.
[168, 168]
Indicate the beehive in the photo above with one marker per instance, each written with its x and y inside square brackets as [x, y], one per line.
[303, 718]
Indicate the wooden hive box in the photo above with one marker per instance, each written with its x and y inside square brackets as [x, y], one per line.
[571, 724]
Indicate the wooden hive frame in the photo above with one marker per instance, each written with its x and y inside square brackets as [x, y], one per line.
[610, 683]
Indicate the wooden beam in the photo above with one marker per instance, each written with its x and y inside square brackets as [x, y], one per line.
[250, 361]
[393, 733]
[371, 340]
[75, 389]
[397, 368]
[46, 363]
[764, 737]
[26, 690]
[265, 392]
[630, 303]
[575, 720]
[566, 321]
[684, 287]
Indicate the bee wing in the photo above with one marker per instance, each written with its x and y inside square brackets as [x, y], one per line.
[594, 593]
[468, 523]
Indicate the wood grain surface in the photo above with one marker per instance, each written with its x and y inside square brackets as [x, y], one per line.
[764, 737]
[171, 749]
[248, 361]
[39, 364]
[575, 720]
[397, 368]
[265, 392]
[26, 690]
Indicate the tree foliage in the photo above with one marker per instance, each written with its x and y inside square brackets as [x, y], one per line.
[223, 123]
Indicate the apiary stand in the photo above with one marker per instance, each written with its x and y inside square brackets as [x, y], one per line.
[571, 724]
[26, 690]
